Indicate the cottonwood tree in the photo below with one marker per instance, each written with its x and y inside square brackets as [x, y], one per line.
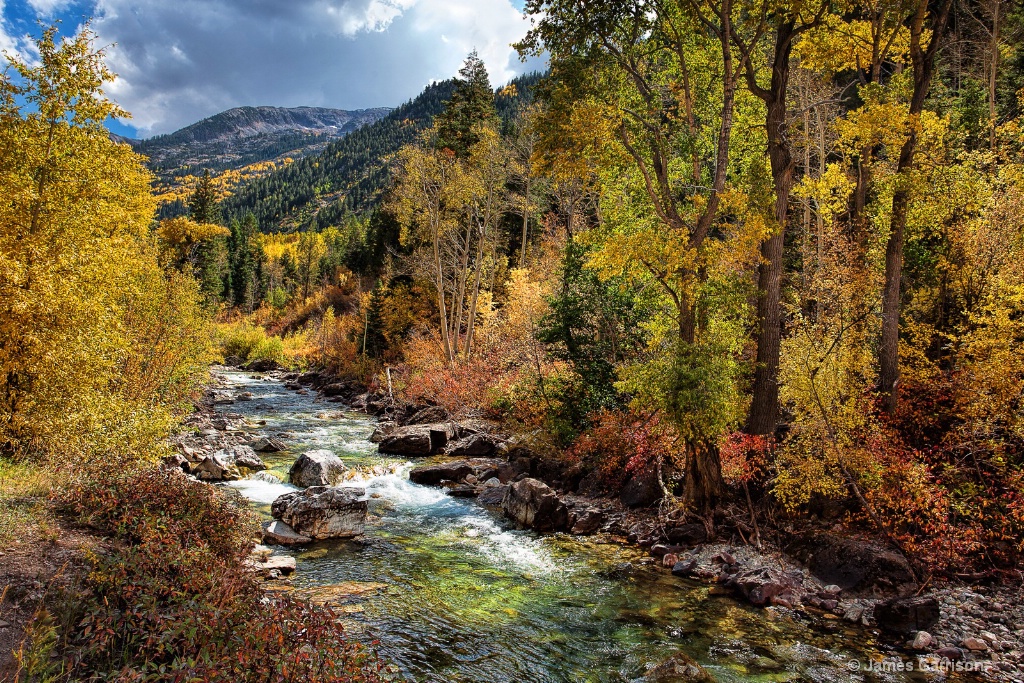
[660, 79]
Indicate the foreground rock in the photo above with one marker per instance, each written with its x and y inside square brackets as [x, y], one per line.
[533, 504]
[268, 444]
[317, 468]
[321, 512]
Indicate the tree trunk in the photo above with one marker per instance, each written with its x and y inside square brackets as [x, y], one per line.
[471, 324]
[704, 483]
[446, 343]
[923, 62]
[764, 407]
[526, 222]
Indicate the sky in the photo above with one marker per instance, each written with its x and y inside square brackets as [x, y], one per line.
[179, 61]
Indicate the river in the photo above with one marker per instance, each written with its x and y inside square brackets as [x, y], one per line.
[453, 593]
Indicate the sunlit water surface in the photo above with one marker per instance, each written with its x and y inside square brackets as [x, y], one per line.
[453, 593]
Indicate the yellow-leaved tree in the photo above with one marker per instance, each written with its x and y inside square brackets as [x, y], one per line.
[99, 345]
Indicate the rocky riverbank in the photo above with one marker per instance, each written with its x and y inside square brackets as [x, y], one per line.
[817, 574]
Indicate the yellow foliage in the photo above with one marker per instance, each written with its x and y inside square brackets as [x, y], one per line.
[101, 347]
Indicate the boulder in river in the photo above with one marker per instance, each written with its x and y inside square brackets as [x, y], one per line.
[261, 366]
[321, 512]
[383, 429]
[317, 468]
[533, 504]
[267, 444]
[417, 440]
[492, 495]
[432, 475]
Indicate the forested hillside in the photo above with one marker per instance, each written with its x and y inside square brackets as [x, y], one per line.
[349, 176]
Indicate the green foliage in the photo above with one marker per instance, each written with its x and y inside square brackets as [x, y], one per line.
[249, 342]
[594, 326]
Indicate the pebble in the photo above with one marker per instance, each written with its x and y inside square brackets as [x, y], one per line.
[975, 644]
[922, 641]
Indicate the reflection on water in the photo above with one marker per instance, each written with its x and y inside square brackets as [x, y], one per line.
[453, 594]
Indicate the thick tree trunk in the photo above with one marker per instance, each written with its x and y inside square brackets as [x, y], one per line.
[704, 483]
[764, 407]
[923, 61]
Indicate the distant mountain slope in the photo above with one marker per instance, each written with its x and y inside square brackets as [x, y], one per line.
[247, 135]
[349, 175]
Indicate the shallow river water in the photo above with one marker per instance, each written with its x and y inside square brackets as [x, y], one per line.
[453, 593]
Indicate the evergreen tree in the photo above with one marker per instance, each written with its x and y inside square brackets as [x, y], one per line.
[471, 105]
[212, 267]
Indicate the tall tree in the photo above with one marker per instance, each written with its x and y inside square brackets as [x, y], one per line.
[922, 59]
[786, 23]
[212, 268]
[471, 105]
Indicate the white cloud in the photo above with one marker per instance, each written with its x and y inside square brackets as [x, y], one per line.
[48, 8]
[179, 62]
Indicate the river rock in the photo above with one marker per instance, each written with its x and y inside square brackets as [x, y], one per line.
[278, 532]
[679, 668]
[382, 430]
[492, 495]
[309, 378]
[428, 415]
[764, 585]
[922, 640]
[907, 615]
[534, 504]
[642, 490]
[586, 522]
[243, 456]
[267, 444]
[975, 644]
[317, 468]
[473, 445]
[337, 389]
[417, 440]
[852, 564]
[463, 491]
[684, 568]
[432, 475]
[687, 534]
[215, 468]
[321, 512]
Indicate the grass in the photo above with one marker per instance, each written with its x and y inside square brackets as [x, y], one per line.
[24, 502]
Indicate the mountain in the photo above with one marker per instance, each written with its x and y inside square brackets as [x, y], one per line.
[349, 175]
[248, 135]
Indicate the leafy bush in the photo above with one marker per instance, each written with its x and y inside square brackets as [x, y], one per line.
[174, 602]
[249, 342]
